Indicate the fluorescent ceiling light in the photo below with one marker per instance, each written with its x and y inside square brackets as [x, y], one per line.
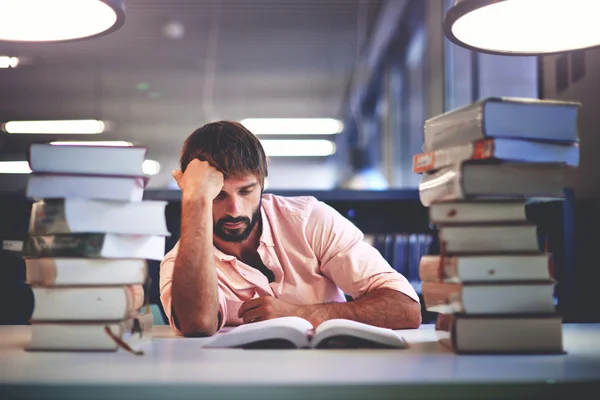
[115, 143]
[292, 126]
[9, 62]
[151, 167]
[14, 167]
[71, 127]
[523, 27]
[298, 148]
[58, 20]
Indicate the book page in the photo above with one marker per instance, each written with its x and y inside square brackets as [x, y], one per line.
[284, 332]
[344, 333]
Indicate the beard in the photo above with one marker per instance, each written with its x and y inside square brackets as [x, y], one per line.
[239, 234]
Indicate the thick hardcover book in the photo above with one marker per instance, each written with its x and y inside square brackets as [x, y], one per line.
[87, 160]
[295, 332]
[101, 245]
[478, 212]
[85, 271]
[486, 268]
[507, 180]
[76, 303]
[59, 216]
[510, 334]
[503, 117]
[56, 186]
[489, 239]
[131, 334]
[489, 298]
[513, 150]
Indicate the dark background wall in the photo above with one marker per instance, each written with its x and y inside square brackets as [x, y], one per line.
[576, 76]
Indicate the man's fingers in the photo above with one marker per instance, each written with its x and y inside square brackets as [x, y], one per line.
[249, 305]
[254, 315]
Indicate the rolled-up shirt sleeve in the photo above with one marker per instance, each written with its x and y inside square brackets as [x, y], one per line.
[166, 283]
[353, 265]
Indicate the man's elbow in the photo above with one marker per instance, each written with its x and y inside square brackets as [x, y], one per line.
[414, 316]
[201, 328]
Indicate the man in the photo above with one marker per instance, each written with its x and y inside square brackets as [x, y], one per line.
[244, 256]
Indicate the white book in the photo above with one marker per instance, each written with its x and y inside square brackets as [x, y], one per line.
[48, 271]
[295, 332]
[95, 245]
[91, 303]
[492, 334]
[486, 268]
[489, 298]
[487, 181]
[116, 188]
[87, 160]
[489, 238]
[60, 216]
[135, 332]
[471, 212]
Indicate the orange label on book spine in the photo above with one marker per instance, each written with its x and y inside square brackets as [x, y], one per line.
[483, 149]
[423, 162]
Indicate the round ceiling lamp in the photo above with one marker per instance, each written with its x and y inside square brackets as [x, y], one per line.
[58, 20]
[523, 27]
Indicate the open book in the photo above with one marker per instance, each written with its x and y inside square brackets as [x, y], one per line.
[295, 332]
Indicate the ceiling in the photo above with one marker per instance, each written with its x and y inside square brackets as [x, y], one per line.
[235, 59]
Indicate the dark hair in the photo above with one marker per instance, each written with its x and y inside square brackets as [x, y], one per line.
[229, 147]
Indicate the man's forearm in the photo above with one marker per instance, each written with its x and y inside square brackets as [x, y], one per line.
[194, 291]
[382, 307]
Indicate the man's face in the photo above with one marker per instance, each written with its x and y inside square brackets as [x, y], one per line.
[236, 210]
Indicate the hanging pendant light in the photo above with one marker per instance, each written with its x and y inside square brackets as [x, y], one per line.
[58, 20]
[523, 27]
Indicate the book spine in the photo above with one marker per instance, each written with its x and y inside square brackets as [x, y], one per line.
[443, 185]
[433, 160]
[463, 125]
[73, 245]
[48, 217]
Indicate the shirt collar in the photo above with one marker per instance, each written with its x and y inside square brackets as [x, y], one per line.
[266, 236]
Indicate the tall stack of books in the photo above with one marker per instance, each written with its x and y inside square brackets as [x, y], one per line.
[493, 282]
[90, 235]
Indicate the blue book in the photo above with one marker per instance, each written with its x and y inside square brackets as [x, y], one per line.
[414, 257]
[400, 257]
[503, 117]
[499, 149]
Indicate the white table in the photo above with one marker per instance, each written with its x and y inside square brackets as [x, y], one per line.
[175, 367]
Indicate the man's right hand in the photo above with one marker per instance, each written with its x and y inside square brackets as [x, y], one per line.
[199, 179]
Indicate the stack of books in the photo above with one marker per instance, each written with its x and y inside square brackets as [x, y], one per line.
[493, 282]
[90, 235]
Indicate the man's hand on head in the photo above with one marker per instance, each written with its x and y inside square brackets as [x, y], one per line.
[199, 179]
[263, 308]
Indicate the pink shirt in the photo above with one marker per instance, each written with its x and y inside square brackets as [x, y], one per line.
[315, 253]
